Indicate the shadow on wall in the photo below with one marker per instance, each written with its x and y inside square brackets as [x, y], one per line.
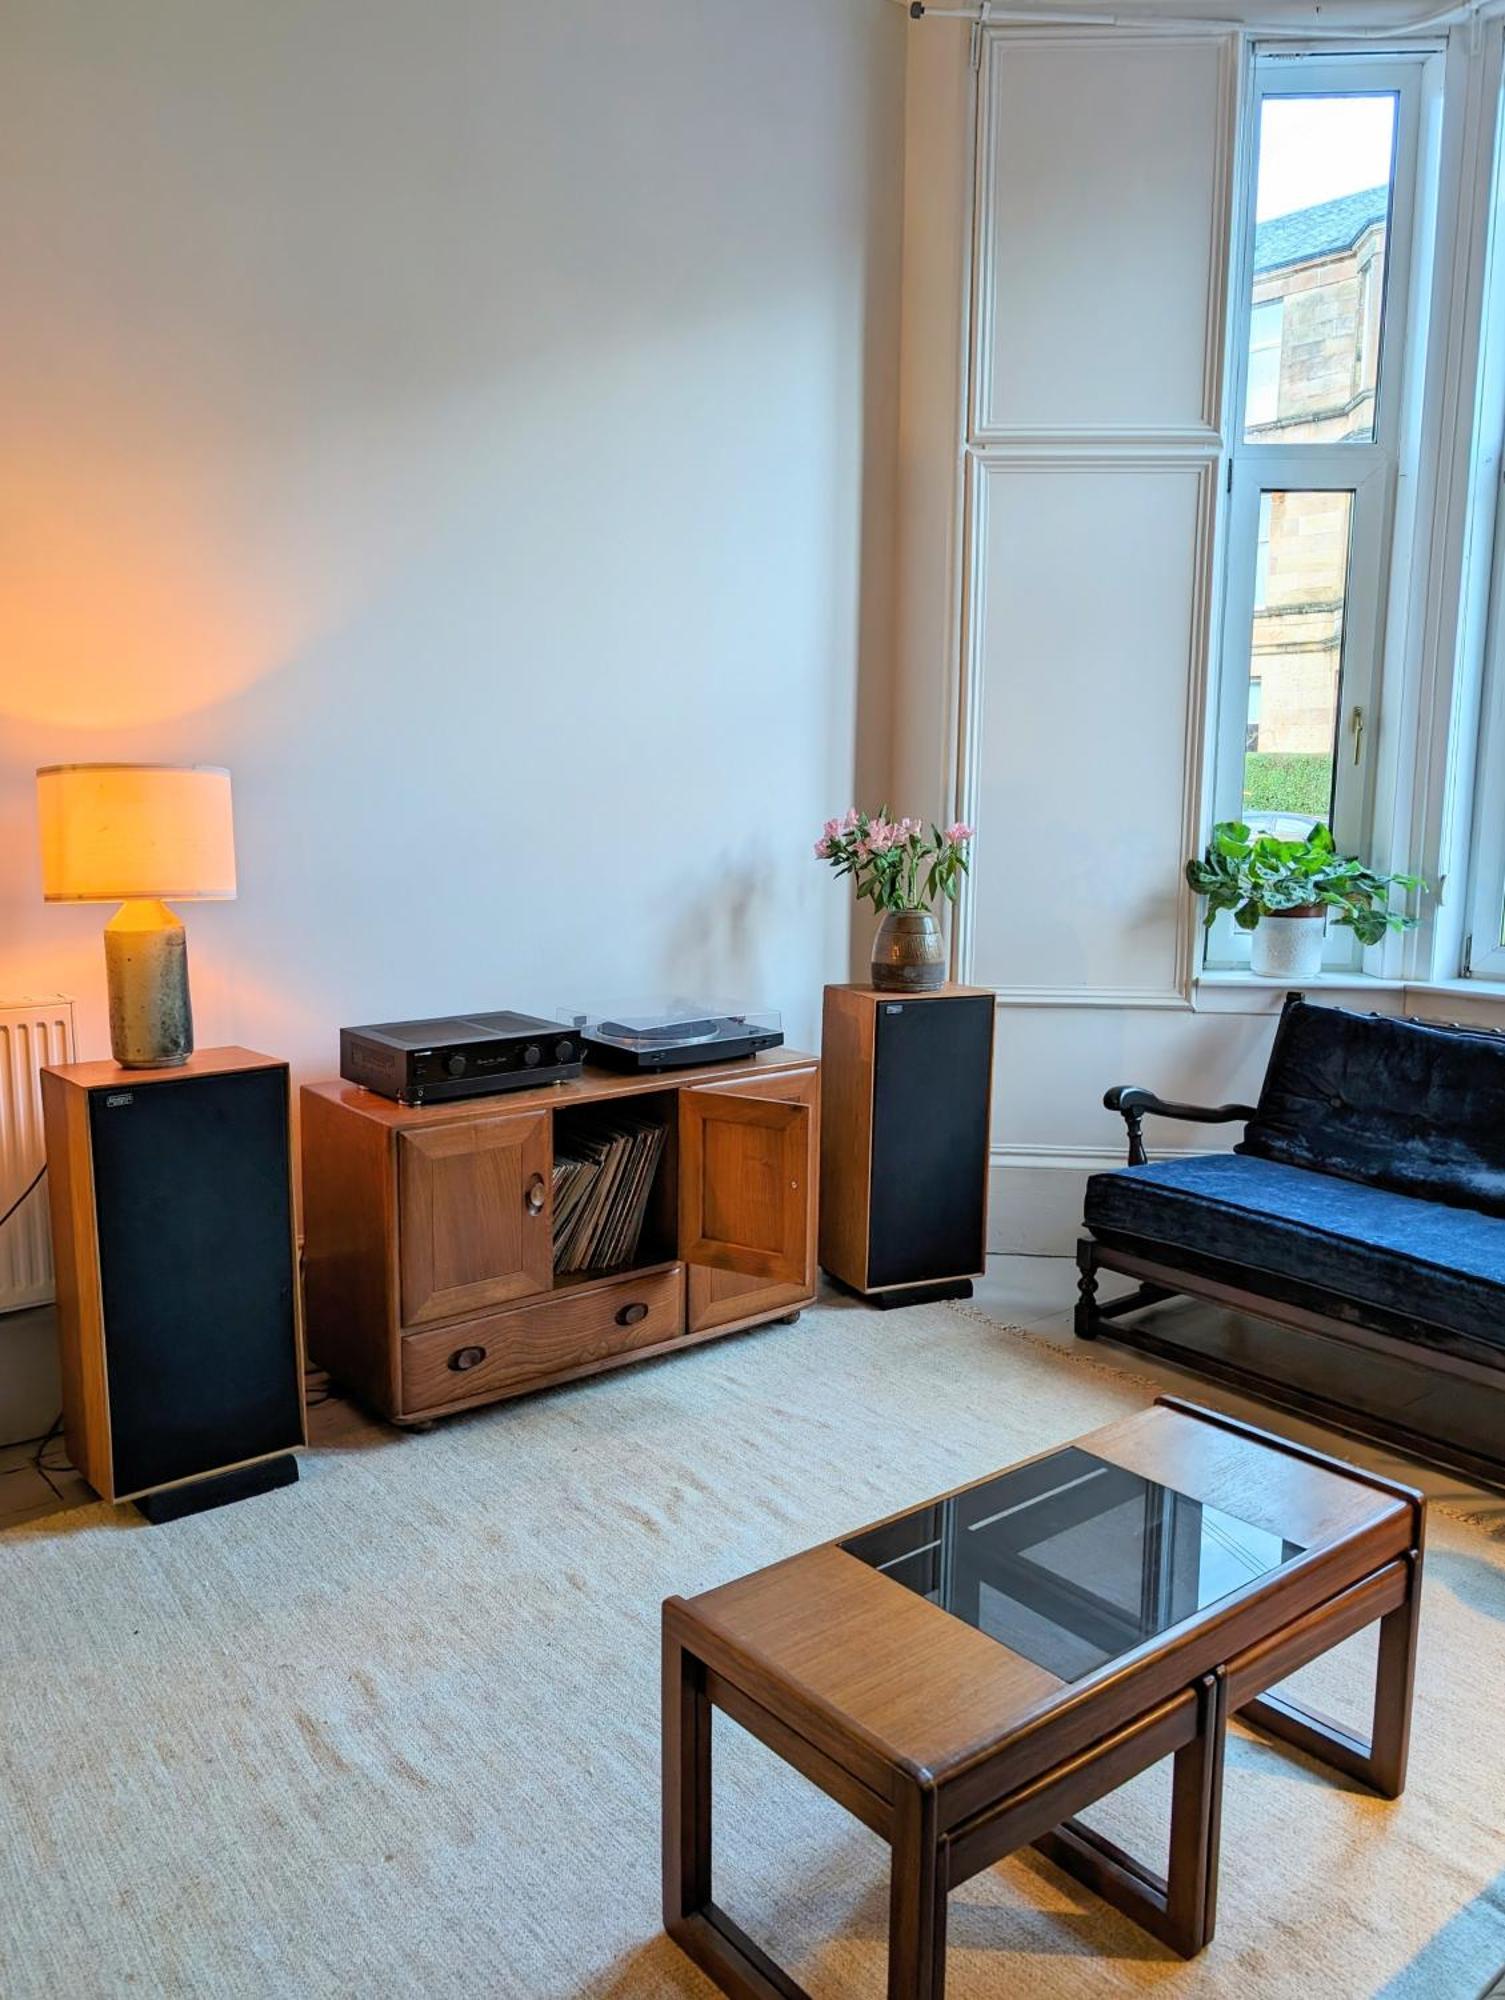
[712, 952]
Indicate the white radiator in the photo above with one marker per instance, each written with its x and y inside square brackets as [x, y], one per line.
[32, 1032]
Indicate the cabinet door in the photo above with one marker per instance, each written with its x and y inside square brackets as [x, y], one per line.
[745, 1180]
[476, 1215]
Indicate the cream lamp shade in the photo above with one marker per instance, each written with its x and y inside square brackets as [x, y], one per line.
[110, 832]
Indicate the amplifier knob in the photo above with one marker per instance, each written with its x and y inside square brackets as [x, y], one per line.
[564, 1051]
[532, 1055]
[456, 1065]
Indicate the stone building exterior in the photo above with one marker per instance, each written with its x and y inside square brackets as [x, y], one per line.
[1313, 374]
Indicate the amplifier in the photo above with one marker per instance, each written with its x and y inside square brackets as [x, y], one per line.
[463, 1055]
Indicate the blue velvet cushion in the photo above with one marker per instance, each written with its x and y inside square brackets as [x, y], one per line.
[1403, 1105]
[1397, 1257]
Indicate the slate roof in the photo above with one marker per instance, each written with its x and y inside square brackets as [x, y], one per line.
[1320, 231]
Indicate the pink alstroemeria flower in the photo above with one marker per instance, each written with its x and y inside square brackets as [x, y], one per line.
[960, 833]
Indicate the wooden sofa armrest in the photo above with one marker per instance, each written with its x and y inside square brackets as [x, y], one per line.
[1132, 1101]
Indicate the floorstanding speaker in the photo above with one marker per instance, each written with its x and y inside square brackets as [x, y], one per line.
[904, 1141]
[178, 1313]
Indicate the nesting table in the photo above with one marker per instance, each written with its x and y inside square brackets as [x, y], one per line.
[968, 1675]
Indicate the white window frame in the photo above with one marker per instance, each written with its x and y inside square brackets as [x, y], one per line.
[1483, 948]
[1483, 952]
[1370, 471]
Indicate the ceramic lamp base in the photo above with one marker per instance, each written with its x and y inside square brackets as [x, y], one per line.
[146, 961]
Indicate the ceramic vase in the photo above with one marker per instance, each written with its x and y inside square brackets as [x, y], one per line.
[1288, 946]
[909, 955]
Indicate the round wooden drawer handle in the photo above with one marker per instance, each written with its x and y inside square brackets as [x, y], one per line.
[630, 1315]
[537, 1195]
[466, 1357]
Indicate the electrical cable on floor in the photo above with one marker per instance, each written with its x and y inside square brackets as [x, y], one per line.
[46, 1439]
[31, 1187]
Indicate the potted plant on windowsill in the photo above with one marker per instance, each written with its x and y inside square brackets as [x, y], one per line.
[1285, 891]
[900, 867]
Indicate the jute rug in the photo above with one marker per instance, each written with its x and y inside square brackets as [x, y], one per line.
[394, 1731]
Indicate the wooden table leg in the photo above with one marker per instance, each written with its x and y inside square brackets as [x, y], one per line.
[1180, 1908]
[1196, 1825]
[687, 1784]
[697, 1925]
[917, 1900]
[1379, 1762]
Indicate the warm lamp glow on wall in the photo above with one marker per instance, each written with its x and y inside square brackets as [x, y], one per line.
[140, 835]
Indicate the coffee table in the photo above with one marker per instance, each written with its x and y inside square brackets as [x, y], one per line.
[968, 1675]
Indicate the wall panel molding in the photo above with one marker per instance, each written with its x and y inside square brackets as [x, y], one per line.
[983, 468]
[1208, 184]
[1089, 996]
[1025, 440]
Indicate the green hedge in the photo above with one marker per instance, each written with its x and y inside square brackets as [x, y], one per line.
[1288, 781]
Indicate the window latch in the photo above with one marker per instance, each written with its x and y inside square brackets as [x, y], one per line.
[1356, 727]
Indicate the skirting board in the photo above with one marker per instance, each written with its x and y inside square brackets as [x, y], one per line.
[1035, 1194]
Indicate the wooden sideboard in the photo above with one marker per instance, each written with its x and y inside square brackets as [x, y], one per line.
[429, 1279]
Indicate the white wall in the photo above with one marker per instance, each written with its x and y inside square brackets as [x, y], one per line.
[474, 424]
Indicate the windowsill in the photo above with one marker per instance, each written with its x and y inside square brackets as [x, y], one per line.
[1478, 989]
[1231, 989]
[1236, 976]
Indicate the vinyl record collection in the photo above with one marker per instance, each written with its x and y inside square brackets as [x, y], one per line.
[603, 1175]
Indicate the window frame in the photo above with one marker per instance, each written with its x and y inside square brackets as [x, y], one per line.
[1481, 952]
[1370, 470]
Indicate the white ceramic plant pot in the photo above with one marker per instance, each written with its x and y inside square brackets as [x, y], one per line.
[1287, 947]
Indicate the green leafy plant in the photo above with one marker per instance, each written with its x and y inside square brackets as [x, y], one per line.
[1260, 875]
[896, 864]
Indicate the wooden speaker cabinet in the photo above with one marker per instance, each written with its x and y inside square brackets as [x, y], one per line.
[904, 1155]
[428, 1231]
[172, 1224]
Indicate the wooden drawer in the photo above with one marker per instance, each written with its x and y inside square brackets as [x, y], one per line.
[571, 1331]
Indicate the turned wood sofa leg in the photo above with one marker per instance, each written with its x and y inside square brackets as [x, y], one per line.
[1084, 1323]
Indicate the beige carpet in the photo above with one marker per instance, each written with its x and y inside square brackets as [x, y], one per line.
[394, 1732]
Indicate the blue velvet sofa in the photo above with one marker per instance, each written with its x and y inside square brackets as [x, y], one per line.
[1363, 1208]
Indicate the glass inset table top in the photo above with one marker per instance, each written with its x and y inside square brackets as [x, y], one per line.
[1071, 1561]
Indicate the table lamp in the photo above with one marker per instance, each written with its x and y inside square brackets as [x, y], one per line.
[139, 834]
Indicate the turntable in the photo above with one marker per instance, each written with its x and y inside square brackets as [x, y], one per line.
[675, 1034]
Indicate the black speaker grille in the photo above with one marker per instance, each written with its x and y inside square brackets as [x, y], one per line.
[196, 1269]
[931, 1064]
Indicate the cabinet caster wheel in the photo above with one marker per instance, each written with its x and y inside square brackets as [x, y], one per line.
[787, 1319]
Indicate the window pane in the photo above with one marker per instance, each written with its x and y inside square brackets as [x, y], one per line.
[1296, 660]
[1326, 165]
